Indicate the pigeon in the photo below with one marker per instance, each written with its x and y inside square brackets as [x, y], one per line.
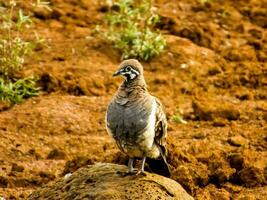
[136, 120]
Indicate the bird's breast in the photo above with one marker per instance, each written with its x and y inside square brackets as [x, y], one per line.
[127, 121]
[133, 123]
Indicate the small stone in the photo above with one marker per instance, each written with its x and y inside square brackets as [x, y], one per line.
[4, 105]
[3, 182]
[56, 24]
[236, 160]
[246, 197]
[56, 154]
[232, 188]
[199, 136]
[219, 123]
[43, 14]
[67, 175]
[46, 176]
[17, 168]
[183, 66]
[237, 141]
[213, 71]
[251, 176]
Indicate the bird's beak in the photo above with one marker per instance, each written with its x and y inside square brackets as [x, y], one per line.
[117, 73]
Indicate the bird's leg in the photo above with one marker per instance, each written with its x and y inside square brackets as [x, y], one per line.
[142, 168]
[131, 169]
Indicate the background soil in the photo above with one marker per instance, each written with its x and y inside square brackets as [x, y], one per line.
[214, 70]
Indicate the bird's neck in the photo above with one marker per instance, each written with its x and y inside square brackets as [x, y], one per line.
[138, 83]
[131, 90]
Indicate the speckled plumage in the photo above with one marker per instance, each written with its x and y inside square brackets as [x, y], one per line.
[135, 119]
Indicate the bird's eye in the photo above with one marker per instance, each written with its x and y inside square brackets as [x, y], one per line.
[128, 68]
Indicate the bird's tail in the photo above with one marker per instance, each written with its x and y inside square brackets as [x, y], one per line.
[159, 166]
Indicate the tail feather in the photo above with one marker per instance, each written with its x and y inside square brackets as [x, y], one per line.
[160, 166]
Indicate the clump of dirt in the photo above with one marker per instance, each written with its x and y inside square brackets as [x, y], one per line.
[210, 111]
[213, 70]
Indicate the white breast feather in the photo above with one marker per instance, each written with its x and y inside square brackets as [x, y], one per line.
[149, 134]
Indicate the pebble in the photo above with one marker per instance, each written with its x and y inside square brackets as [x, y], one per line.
[67, 175]
[237, 141]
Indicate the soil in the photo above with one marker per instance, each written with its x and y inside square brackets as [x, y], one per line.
[213, 70]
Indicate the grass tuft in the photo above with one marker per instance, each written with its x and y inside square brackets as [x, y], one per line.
[131, 29]
[15, 47]
[21, 89]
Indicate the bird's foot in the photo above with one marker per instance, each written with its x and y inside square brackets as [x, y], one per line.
[140, 172]
[129, 172]
[132, 171]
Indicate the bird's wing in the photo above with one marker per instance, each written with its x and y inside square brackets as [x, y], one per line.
[161, 128]
[130, 117]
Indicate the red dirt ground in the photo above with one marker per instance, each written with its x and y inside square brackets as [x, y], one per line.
[214, 70]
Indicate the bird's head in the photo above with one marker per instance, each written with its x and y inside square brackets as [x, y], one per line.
[130, 69]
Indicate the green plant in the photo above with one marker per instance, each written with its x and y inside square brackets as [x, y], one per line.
[131, 29]
[178, 117]
[14, 46]
[17, 91]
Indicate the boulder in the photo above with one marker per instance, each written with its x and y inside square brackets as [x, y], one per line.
[110, 181]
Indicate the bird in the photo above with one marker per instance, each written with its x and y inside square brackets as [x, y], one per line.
[136, 120]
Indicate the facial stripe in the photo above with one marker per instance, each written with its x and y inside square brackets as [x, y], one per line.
[131, 75]
[129, 72]
[136, 72]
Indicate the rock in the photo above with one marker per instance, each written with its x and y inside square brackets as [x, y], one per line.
[219, 122]
[237, 141]
[4, 105]
[212, 110]
[189, 177]
[212, 192]
[199, 136]
[17, 168]
[236, 160]
[246, 197]
[76, 163]
[56, 154]
[218, 167]
[46, 176]
[3, 182]
[42, 13]
[108, 181]
[252, 176]
[54, 24]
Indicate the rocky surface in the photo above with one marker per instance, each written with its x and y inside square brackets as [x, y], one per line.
[111, 182]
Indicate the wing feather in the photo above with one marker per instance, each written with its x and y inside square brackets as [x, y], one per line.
[161, 128]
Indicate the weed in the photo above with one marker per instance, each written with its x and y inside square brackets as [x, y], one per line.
[178, 117]
[14, 46]
[224, 13]
[17, 91]
[131, 29]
